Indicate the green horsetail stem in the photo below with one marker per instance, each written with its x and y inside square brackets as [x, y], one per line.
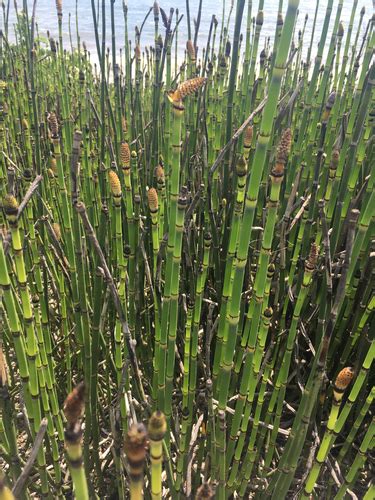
[157, 427]
[67, 224]
[221, 457]
[153, 204]
[240, 4]
[83, 306]
[370, 492]
[116, 192]
[183, 284]
[288, 463]
[199, 289]
[367, 444]
[174, 190]
[185, 391]
[237, 447]
[256, 173]
[355, 333]
[353, 395]
[241, 170]
[343, 379]
[73, 409]
[357, 424]
[41, 312]
[160, 181]
[252, 451]
[5, 491]
[277, 398]
[8, 439]
[256, 305]
[169, 308]
[32, 351]
[15, 327]
[173, 313]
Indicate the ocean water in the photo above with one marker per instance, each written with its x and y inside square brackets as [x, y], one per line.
[137, 9]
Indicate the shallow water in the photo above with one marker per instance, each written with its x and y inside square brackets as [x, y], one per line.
[137, 9]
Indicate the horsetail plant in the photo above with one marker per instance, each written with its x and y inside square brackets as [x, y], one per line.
[73, 409]
[191, 234]
[135, 449]
[157, 428]
[342, 381]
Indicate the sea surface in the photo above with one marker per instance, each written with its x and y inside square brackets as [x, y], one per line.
[81, 11]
